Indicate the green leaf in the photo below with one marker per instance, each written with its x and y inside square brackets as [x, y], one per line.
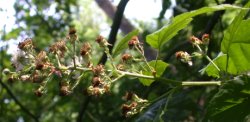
[158, 38]
[235, 46]
[231, 103]
[159, 67]
[123, 44]
[221, 62]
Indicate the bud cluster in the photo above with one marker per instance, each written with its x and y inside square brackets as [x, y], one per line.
[134, 104]
[99, 85]
[186, 57]
[196, 41]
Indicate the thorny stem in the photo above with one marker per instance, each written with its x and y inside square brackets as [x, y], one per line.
[209, 59]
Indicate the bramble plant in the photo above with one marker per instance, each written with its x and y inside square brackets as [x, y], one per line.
[69, 61]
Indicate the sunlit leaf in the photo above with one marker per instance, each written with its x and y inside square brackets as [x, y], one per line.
[158, 38]
[159, 67]
[235, 46]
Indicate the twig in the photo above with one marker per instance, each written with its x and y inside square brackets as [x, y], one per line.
[36, 119]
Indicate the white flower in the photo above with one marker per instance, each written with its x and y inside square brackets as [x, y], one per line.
[19, 59]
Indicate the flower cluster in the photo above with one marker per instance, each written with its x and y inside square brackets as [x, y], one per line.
[55, 65]
[99, 85]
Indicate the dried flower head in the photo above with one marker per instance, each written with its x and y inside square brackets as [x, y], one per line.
[125, 109]
[96, 81]
[195, 41]
[58, 48]
[98, 70]
[64, 89]
[72, 31]
[41, 60]
[101, 41]
[133, 42]
[120, 67]
[37, 77]
[26, 44]
[72, 35]
[85, 49]
[126, 57]
[131, 109]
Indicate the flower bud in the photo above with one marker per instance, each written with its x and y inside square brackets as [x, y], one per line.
[205, 38]
[101, 41]
[96, 81]
[184, 57]
[133, 42]
[64, 89]
[58, 48]
[85, 49]
[195, 41]
[126, 109]
[41, 60]
[26, 44]
[127, 58]
[72, 31]
[98, 70]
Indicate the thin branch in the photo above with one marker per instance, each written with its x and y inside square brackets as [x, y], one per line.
[36, 119]
[114, 28]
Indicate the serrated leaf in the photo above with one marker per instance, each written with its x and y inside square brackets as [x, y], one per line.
[235, 46]
[159, 67]
[230, 103]
[123, 44]
[158, 38]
